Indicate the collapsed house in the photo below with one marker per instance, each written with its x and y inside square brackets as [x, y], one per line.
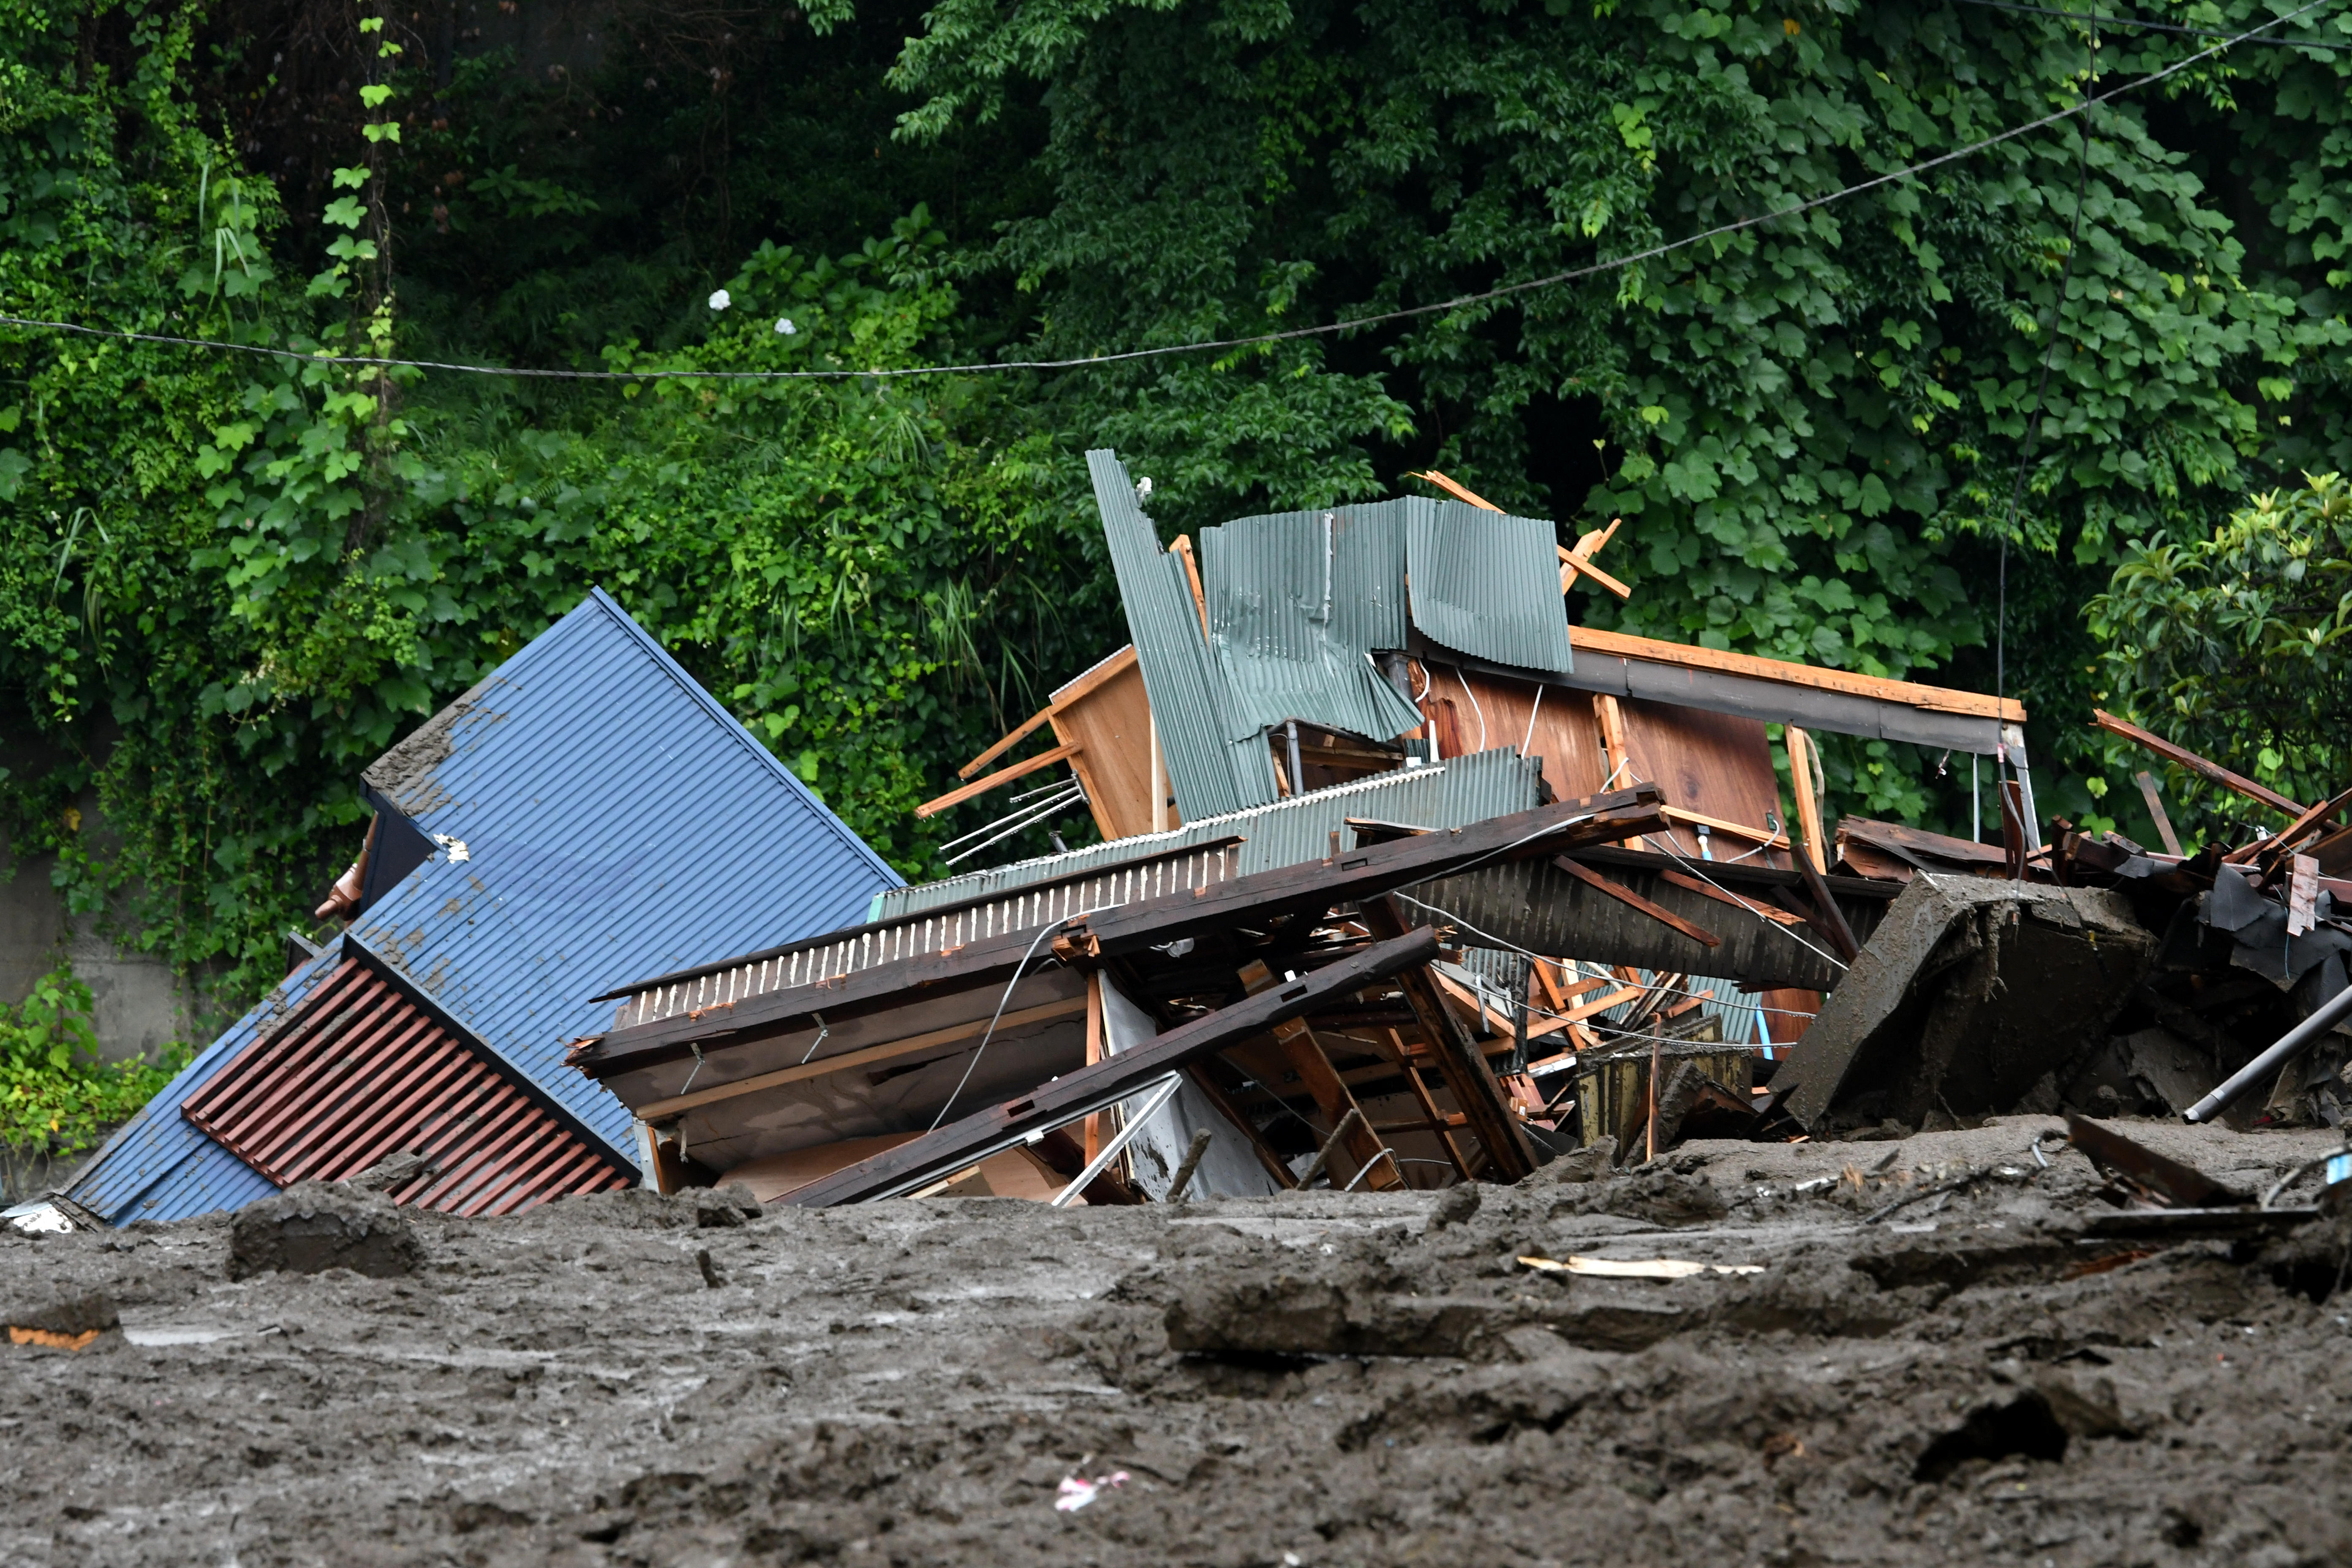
[1403, 878]
[586, 808]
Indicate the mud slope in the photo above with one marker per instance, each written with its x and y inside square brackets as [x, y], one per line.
[1360, 1379]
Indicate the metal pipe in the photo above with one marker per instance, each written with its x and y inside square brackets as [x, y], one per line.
[2291, 1045]
[1290, 736]
[1161, 1092]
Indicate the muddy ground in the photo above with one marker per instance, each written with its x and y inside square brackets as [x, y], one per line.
[1355, 1380]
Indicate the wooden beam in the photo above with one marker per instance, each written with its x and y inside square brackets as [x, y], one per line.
[1631, 899]
[1316, 1076]
[1458, 1058]
[2213, 773]
[974, 1137]
[865, 1055]
[1106, 670]
[1572, 562]
[2147, 792]
[955, 797]
[1719, 825]
[1183, 551]
[1589, 544]
[1708, 890]
[2270, 847]
[1028, 728]
[1440, 1123]
[1799, 746]
[1459, 492]
[1937, 698]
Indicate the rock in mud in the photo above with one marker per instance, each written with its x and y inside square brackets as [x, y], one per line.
[71, 1314]
[316, 1225]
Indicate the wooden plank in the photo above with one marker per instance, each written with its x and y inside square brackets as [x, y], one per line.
[965, 1142]
[1799, 746]
[1183, 551]
[1589, 544]
[1028, 728]
[1618, 998]
[1573, 563]
[1493, 1020]
[2213, 773]
[1748, 906]
[1457, 1057]
[1322, 1083]
[1308, 888]
[1102, 671]
[956, 797]
[2147, 792]
[1717, 766]
[1459, 492]
[2268, 849]
[1934, 698]
[1765, 836]
[663, 1109]
[1099, 1122]
[1440, 1123]
[1110, 723]
[1631, 899]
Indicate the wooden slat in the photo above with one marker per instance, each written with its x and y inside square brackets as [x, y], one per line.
[982, 786]
[1799, 746]
[1631, 899]
[1572, 562]
[2213, 771]
[1935, 699]
[866, 1056]
[1459, 492]
[1771, 840]
[1457, 1057]
[2269, 848]
[1028, 728]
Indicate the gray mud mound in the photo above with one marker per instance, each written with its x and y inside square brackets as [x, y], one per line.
[314, 1226]
[1350, 1381]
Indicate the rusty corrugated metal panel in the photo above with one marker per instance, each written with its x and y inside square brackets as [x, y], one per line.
[1487, 585]
[359, 1072]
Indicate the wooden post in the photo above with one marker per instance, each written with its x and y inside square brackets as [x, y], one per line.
[1809, 806]
[1096, 1123]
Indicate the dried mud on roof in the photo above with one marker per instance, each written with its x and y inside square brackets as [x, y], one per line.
[635, 1378]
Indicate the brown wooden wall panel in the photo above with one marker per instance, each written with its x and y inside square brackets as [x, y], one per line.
[1112, 722]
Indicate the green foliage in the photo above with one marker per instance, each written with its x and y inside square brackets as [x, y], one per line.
[227, 582]
[54, 1094]
[2238, 647]
[1812, 427]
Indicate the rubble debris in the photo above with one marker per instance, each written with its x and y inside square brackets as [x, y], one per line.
[2149, 1176]
[65, 1320]
[314, 1226]
[1973, 997]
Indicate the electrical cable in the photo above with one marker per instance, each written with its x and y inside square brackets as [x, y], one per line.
[1501, 291]
[2150, 26]
[1043, 932]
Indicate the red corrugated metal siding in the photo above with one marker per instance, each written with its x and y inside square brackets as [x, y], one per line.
[359, 1072]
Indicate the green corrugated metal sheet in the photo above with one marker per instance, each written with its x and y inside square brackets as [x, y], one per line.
[1212, 769]
[1461, 791]
[1487, 585]
[1297, 602]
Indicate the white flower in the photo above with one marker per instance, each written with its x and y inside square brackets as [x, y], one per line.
[784, 326]
[720, 300]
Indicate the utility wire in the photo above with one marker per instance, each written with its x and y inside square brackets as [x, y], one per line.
[1502, 291]
[2148, 27]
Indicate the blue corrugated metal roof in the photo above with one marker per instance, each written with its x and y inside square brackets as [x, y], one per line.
[615, 821]
[158, 1166]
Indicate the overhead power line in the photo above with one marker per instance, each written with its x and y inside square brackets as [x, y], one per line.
[1356, 323]
[2100, 21]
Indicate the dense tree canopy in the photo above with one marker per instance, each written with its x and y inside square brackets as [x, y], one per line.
[227, 580]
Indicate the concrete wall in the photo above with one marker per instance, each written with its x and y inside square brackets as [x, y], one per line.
[141, 1005]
